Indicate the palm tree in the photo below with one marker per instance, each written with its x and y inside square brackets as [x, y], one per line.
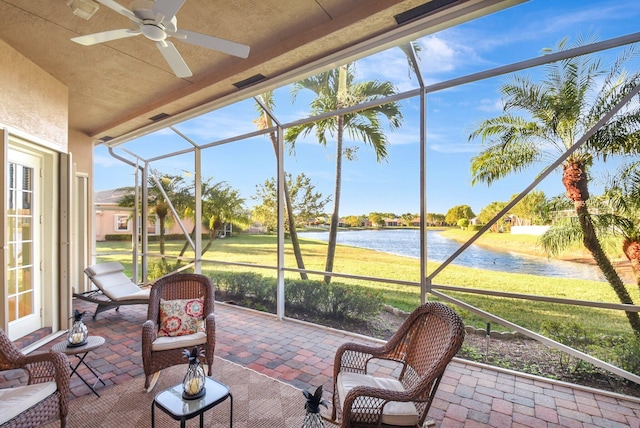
[626, 201]
[221, 205]
[159, 205]
[559, 110]
[336, 90]
[264, 122]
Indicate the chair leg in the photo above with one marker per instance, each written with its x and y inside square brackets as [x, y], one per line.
[151, 380]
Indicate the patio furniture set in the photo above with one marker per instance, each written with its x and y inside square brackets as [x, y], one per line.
[421, 350]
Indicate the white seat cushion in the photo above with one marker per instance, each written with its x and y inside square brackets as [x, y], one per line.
[395, 412]
[14, 401]
[111, 280]
[104, 268]
[164, 343]
[141, 294]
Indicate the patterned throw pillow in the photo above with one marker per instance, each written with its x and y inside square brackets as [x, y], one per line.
[180, 317]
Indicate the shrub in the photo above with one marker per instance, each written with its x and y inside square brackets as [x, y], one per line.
[628, 354]
[334, 300]
[306, 294]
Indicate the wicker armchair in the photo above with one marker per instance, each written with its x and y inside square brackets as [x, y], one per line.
[46, 395]
[160, 352]
[422, 348]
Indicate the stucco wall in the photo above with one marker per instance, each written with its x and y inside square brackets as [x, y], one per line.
[31, 101]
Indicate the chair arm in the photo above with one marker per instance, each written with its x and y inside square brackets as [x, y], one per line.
[45, 366]
[210, 327]
[149, 334]
[353, 357]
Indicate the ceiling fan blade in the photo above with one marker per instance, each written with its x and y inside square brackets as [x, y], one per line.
[174, 59]
[167, 8]
[215, 43]
[120, 9]
[105, 36]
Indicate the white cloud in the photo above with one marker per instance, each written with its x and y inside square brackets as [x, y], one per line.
[490, 105]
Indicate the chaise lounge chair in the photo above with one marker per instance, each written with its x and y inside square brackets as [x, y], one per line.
[114, 288]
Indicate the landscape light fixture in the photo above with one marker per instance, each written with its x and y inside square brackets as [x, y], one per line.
[85, 9]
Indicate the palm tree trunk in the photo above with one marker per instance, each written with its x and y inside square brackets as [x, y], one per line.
[212, 237]
[632, 251]
[186, 243]
[161, 220]
[335, 216]
[575, 180]
[591, 243]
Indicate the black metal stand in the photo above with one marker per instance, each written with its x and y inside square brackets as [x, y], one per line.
[81, 358]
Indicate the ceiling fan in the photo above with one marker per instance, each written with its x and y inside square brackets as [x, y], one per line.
[156, 20]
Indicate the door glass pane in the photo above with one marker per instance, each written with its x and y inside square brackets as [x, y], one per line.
[12, 308]
[20, 263]
[12, 282]
[25, 304]
[24, 280]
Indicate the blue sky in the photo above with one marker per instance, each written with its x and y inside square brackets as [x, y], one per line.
[512, 35]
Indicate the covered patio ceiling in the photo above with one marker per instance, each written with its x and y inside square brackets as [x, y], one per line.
[124, 88]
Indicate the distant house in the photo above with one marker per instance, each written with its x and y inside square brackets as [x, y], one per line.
[112, 219]
[391, 222]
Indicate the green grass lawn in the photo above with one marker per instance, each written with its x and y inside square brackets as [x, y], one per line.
[260, 250]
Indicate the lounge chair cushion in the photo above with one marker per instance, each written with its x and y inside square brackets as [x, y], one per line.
[112, 281]
[181, 317]
[395, 412]
[14, 401]
[165, 343]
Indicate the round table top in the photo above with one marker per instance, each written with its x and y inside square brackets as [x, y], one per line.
[93, 342]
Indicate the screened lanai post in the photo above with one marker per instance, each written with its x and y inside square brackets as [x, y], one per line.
[425, 282]
[143, 221]
[280, 262]
[135, 224]
[197, 251]
[409, 50]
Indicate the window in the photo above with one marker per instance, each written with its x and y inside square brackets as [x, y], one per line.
[122, 223]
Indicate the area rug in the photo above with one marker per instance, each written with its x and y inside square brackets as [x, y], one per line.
[258, 401]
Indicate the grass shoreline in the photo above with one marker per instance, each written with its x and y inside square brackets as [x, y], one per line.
[257, 251]
[528, 244]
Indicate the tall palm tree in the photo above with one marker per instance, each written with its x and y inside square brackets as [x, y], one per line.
[159, 205]
[574, 96]
[334, 90]
[263, 122]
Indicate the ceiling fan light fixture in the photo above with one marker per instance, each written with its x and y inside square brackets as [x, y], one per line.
[85, 9]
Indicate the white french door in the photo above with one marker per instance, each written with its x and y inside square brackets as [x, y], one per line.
[23, 226]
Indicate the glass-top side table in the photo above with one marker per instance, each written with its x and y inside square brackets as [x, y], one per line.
[80, 352]
[171, 402]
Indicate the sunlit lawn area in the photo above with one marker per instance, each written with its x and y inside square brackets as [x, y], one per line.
[260, 250]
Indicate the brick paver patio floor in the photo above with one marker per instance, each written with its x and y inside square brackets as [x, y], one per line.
[470, 395]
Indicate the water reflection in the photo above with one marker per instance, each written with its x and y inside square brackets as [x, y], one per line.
[407, 243]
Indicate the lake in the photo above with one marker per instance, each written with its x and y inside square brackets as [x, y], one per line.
[406, 242]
